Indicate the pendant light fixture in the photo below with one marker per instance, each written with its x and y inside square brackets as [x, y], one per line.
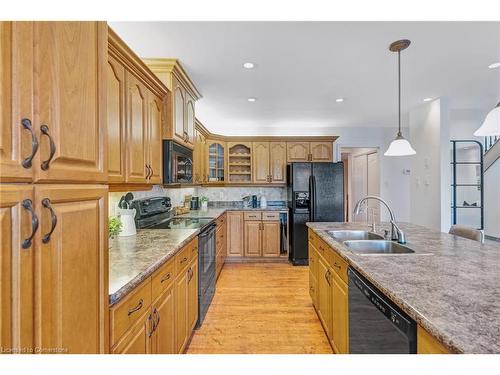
[491, 124]
[400, 146]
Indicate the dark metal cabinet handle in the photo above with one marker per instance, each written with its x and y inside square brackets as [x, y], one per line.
[26, 123]
[190, 274]
[137, 308]
[45, 131]
[151, 169]
[327, 277]
[149, 172]
[152, 324]
[53, 218]
[165, 278]
[28, 204]
[336, 265]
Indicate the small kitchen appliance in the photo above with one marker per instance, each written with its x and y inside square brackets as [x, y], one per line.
[195, 203]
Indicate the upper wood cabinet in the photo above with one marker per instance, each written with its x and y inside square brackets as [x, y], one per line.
[216, 161]
[269, 162]
[321, 151]
[136, 111]
[313, 151]
[180, 116]
[59, 134]
[70, 215]
[17, 252]
[239, 162]
[69, 65]
[16, 80]
[297, 151]
[200, 159]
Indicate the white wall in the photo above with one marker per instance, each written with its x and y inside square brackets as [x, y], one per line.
[430, 168]
[394, 184]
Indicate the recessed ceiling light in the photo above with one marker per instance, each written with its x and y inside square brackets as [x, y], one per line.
[249, 65]
[339, 100]
[494, 65]
[252, 99]
[428, 99]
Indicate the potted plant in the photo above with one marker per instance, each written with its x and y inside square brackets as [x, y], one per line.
[204, 203]
[114, 228]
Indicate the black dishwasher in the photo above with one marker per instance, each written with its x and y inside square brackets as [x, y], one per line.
[376, 325]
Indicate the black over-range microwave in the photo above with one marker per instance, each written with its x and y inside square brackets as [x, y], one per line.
[177, 163]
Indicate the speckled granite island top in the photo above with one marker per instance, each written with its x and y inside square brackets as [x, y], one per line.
[451, 286]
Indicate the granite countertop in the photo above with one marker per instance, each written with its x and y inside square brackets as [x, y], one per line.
[450, 286]
[132, 259]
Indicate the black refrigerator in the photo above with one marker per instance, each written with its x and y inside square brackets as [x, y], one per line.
[315, 193]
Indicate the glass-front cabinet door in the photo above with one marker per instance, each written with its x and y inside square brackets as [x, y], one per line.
[216, 162]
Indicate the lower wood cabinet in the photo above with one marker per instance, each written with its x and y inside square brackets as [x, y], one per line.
[160, 314]
[427, 344]
[329, 292]
[220, 244]
[235, 234]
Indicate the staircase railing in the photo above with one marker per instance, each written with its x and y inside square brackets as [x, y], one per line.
[490, 141]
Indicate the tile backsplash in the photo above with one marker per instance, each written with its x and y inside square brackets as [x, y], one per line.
[224, 194]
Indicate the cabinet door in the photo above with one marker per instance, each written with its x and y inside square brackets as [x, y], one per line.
[324, 296]
[297, 151]
[137, 340]
[261, 162]
[71, 261]
[313, 274]
[192, 296]
[179, 112]
[321, 151]
[271, 238]
[199, 158]
[181, 311]
[340, 315]
[190, 119]
[16, 267]
[116, 121]
[136, 149]
[163, 339]
[70, 79]
[235, 233]
[155, 158]
[277, 156]
[16, 80]
[253, 238]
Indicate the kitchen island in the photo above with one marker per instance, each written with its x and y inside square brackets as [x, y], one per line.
[450, 286]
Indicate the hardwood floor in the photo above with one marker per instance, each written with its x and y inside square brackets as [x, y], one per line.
[259, 309]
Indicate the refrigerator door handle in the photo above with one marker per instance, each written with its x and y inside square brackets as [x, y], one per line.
[312, 199]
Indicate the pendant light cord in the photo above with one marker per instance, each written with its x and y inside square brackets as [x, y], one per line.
[399, 93]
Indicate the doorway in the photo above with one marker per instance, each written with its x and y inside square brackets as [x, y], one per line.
[361, 178]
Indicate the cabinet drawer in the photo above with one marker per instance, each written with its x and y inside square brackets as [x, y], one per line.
[270, 216]
[252, 215]
[162, 278]
[194, 249]
[339, 265]
[130, 310]
[182, 259]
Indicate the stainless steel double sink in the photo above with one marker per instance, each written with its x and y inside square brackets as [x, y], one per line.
[368, 243]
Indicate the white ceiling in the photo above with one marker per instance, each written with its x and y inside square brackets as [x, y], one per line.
[302, 67]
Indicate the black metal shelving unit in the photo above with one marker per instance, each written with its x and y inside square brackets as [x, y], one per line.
[455, 185]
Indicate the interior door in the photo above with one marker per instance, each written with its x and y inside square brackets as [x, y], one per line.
[359, 184]
[261, 162]
[137, 130]
[253, 238]
[373, 186]
[70, 77]
[16, 266]
[16, 80]
[277, 155]
[116, 121]
[71, 260]
[155, 139]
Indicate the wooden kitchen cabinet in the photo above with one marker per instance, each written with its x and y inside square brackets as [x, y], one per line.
[427, 344]
[313, 275]
[271, 238]
[180, 115]
[71, 260]
[216, 162]
[163, 310]
[137, 340]
[200, 159]
[324, 306]
[261, 162]
[253, 238]
[116, 121]
[321, 151]
[154, 145]
[340, 315]
[16, 87]
[16, 266]
[192, 295]
[277, 162]
[297, 151]
[69, 65]
[235, 234]
[181, 311]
